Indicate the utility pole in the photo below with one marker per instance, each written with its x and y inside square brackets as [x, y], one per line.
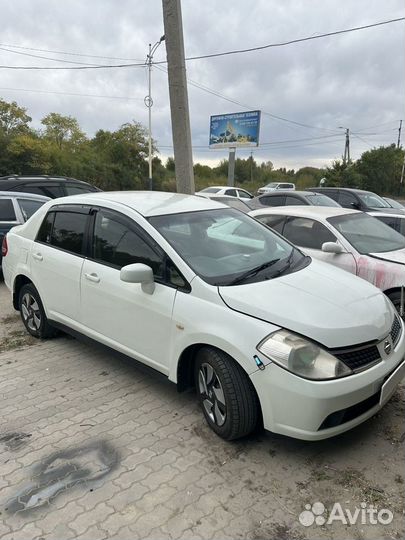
[399, 133]
[346, 158]
[231, 167]
[149, 102]
[183, 156]
[251, 166]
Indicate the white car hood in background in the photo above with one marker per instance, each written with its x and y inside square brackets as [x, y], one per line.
[397, 256]
[321, 302]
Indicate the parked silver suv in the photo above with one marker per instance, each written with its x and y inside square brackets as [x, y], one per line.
[273, 186]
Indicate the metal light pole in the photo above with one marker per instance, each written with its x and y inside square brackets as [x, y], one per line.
[149, 103]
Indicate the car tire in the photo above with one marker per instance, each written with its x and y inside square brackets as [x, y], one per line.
[225, 393]
[33, 313]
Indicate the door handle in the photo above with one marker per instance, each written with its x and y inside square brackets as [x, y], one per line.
[37, 256]
[92, 277]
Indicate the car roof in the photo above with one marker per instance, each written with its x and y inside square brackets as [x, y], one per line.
[22, 195]
[147, 203]
[21, 179]
[313, 212]
[352, 190]
[288, 192]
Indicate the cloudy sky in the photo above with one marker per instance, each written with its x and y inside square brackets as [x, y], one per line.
[354, 80]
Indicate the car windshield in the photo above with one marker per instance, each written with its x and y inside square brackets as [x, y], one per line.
[321, 200]
[367, 234]
[372, 200]
[393, 203]
[210, 190]
[226, 247]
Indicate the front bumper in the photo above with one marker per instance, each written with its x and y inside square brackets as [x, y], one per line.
[314, 410]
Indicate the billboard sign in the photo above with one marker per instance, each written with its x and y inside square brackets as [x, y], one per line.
[235, 130]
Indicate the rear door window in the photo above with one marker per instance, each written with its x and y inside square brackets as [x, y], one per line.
[294, 201]
[68, 231]
[29, 207]
[275, 222]
[272, 200]
[307, 233]
[231, 192]
[7, 212]
[76, 189]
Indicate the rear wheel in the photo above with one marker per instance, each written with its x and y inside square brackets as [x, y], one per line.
[226, 395]
[33, 313]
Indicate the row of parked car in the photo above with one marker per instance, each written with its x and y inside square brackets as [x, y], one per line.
[245, 310]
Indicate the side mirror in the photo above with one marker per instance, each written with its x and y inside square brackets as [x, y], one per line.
[355, 205]
[139, 273]
[332, 247]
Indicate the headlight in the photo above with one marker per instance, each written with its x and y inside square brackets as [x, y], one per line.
[302, 357]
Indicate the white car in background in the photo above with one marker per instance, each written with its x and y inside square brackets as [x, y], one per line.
[263, 332]
[215, 191]
[275, 186]
[348, 239]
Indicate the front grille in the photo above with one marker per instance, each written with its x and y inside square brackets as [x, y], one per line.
[359, 358]
[396, 330]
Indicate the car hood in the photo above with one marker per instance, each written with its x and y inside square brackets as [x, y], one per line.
[323, 303]
[389, 210]
[397, 256]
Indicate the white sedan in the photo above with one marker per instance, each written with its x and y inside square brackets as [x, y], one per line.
[348, 239]
[263, 332]
[214, 191]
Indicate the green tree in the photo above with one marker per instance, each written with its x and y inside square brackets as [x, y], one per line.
[380, 169]
[13, 119]
[343, 175]
[62, 129]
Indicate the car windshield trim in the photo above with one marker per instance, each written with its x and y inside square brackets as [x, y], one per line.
[367, 234]
[222, 245]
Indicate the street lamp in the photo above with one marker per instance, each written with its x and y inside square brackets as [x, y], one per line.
[149, 102]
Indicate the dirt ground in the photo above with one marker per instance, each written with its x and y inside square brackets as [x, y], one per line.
[93, 447]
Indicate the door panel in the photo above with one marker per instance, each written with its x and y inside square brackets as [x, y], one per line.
[125, 317]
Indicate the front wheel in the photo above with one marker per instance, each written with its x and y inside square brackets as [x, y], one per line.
[33, 313]
[226, 394]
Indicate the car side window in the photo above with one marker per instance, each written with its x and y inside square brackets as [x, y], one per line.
[68, 231]
[29, 207]
[276, 200]
[117, 245]
[307, 233]
[347, 200]
[293, 201]
[231, 192]
[73, 189]
[7, 212]
[44, 233]
[275, 222]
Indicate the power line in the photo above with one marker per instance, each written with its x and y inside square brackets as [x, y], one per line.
[46, 57]
[300, 40]
[214, 55]
[71, 53]
[71, 94]
[246, 106]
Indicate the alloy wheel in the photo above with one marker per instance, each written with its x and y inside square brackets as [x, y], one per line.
[30, 312]
[212, 394]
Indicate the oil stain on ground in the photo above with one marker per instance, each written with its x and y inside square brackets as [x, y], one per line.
[63, 470]
[14, 441]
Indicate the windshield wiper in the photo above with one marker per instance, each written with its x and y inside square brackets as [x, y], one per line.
[286, 266]
[253, 272]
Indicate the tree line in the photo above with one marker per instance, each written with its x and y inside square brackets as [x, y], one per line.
[118, 159]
